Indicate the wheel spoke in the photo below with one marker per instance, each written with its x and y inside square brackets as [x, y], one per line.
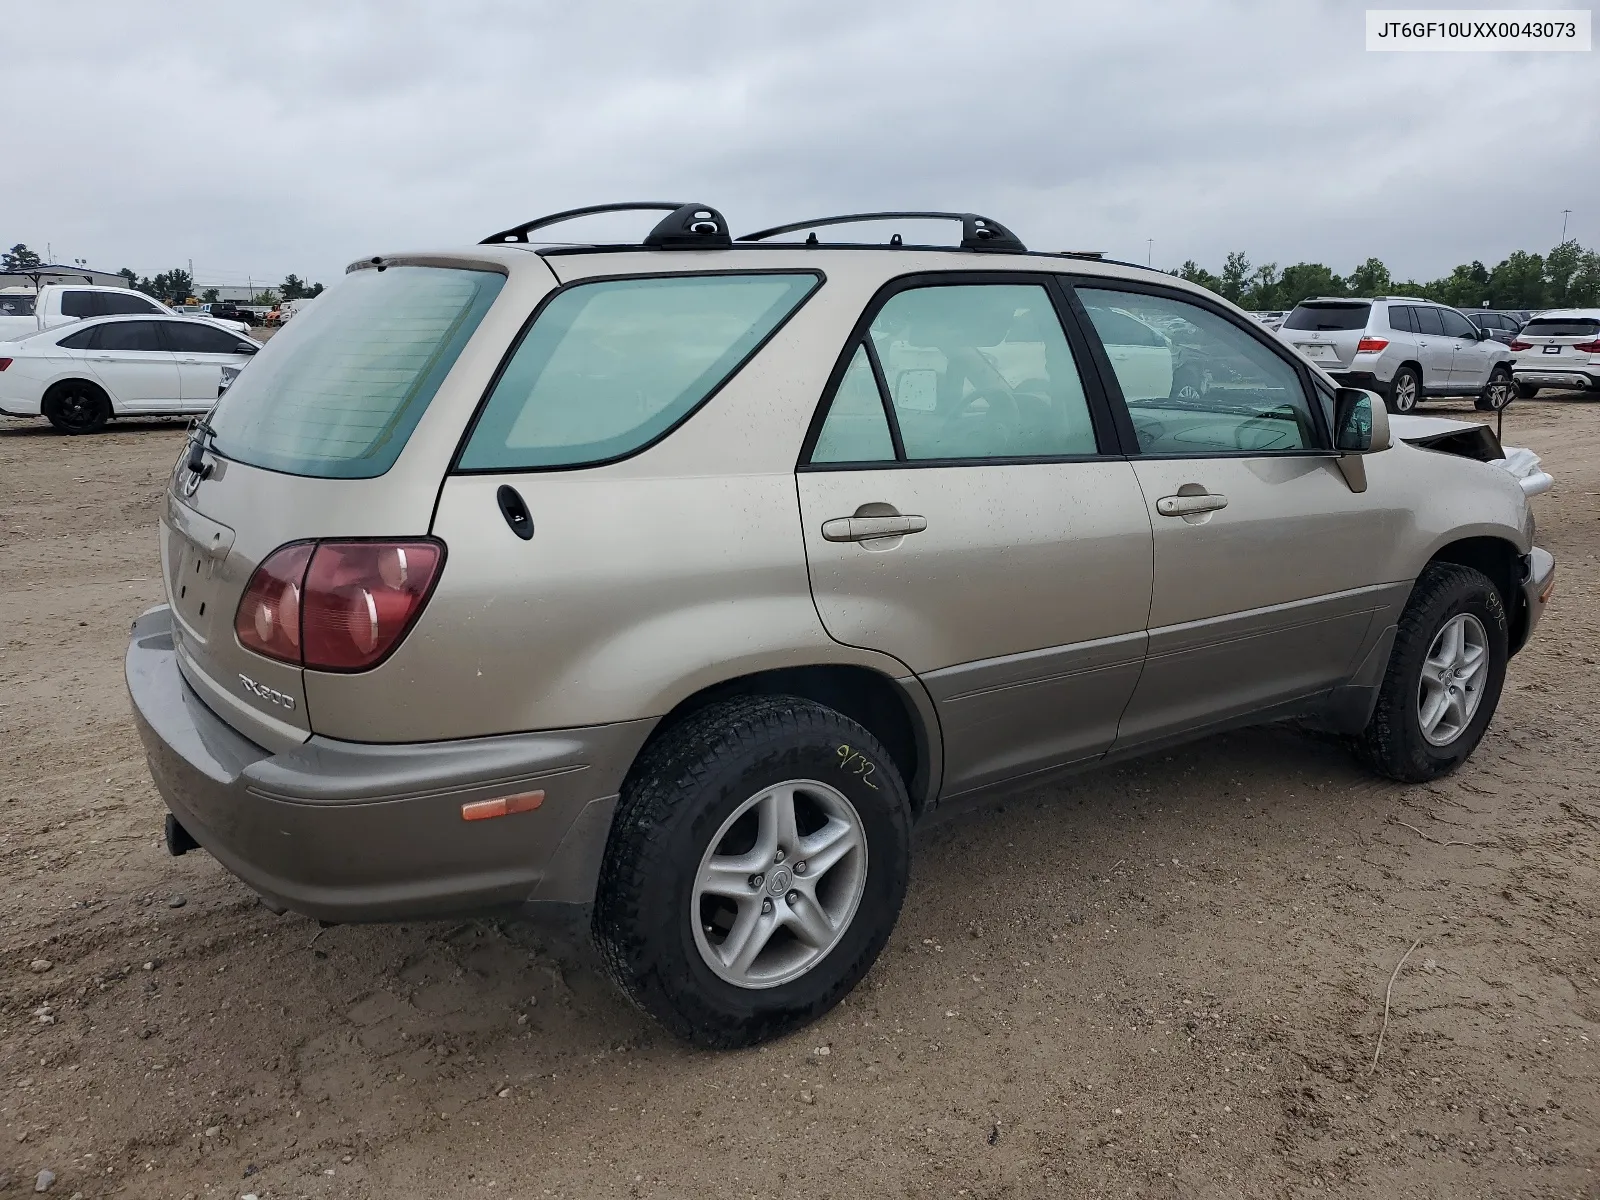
[824, 848]
[751, 932]
[809, 920]
[776, 814]
[1433, 710]
[729, 875]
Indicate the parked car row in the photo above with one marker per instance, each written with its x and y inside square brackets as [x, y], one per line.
[23, 313]
[81, 375]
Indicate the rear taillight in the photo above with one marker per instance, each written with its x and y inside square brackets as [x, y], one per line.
[1519, 344]
[4, 363]
[268, 620]
[1371, 345]
[1581, 347]
[337, 606]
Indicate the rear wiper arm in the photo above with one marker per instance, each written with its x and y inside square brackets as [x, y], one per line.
[200, 432]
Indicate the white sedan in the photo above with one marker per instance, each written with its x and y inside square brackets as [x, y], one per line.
[81, 375]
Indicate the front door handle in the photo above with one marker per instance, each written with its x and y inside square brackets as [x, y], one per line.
[1188, 506]
[862, 529]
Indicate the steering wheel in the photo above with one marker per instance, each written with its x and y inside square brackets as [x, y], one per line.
[992, 393]
[1272, 425]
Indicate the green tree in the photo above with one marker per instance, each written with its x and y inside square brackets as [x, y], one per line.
[1305, 280]
[19, 258]
[1560, 267]
[1467, 286]
[1234, 273]
[1261, 294]
[1371, 278]
[293, 288]
[1192, 271]
[1583, 289]
[1518, 282]
[265, 298]
[211, 295]
[129, 274]
[316, 290]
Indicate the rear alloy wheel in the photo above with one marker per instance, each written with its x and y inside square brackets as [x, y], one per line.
[1444, 677]
[1404, 391]
[1497, 393]
[77, 407]
[756, 866]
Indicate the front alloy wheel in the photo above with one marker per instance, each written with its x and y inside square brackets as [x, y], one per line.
[1450, 685]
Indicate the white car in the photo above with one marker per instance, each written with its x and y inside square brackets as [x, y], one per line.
[1559, 348]
[58, 304]
[83, 374]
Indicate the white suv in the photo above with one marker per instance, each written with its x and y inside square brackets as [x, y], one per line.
[1404, 348]
[1558, 349]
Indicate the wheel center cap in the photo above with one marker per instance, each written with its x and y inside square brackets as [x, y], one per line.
[778, 880]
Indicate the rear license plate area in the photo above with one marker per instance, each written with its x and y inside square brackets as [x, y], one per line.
[1552, 349]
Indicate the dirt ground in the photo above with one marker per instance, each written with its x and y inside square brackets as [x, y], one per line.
[1162, 980]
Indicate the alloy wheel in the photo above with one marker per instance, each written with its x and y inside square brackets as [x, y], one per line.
[779, 884]
[1405, 393]
[1453, 675]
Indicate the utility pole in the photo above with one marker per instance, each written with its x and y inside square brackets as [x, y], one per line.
[1565, 213]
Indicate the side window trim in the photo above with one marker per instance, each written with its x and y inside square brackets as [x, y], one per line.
[1109, 441]
[1323, 449]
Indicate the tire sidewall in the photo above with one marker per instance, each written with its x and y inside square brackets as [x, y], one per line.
[1489, 609]
[662, 955]
[96, 423]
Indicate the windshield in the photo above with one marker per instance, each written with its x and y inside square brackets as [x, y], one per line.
[337, 394]
[1329, 316]
[1562, 327]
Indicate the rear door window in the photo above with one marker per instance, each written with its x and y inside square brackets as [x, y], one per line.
[1401, 318]
[337, 392]
[1329, 317]
[1427, 319]
[75, 303]
[121, 304]
[610, 366]
[131, 336]
[191, 337]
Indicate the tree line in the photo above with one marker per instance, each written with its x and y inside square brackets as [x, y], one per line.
[1567, 277]
[170, 287]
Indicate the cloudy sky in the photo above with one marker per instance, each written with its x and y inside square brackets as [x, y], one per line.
[257, 139]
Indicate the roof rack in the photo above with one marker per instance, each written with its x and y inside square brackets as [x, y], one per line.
[977, 233]
[686, 226]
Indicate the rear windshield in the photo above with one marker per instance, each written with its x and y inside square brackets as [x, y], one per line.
[1328, 316]
[337, 394]
[1562, 326]
[611, 366]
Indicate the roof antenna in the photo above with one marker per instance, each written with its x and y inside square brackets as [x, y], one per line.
[896, 240]
[811, 238]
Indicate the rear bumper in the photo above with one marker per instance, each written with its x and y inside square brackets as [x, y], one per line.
[1537, 587]
[1553, 378]
[1365, 380]
[344, 831]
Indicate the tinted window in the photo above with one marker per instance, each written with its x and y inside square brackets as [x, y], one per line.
[1562, 327]
[981, 372]
[16, 306]
[337, 393]
[1329, 316]
[1455, 325]
[1210, 387]
[856, 429]
[612, 365]
[195, 338]
[80, 339]
[120, 303]
[130, 335]
[1401, 318]
[1427, 319]
[79, 304]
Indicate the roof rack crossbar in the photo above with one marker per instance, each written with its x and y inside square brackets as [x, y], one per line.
[685, 227]
[977, 233]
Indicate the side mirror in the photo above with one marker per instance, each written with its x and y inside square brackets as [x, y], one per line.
[245, 348]
[917, 389]
[1360, 422]
[1483, 334]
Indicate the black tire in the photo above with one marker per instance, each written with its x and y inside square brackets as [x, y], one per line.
[1526, 391]
[1497, 393]
[676, 799]
[1393, 743]
[75, 406]
[1404, 392]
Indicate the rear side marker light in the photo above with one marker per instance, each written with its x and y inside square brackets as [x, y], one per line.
[337, 606]
[1519, 344]
[1371, 345]
[1581, 347]
[503, 806]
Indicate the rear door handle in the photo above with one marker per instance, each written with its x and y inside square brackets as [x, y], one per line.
[861, 529]
[1188, 506]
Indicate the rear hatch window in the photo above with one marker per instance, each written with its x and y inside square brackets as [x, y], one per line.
[1562, 327]
[1330, 317]
[610, 367]
[336, 394]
